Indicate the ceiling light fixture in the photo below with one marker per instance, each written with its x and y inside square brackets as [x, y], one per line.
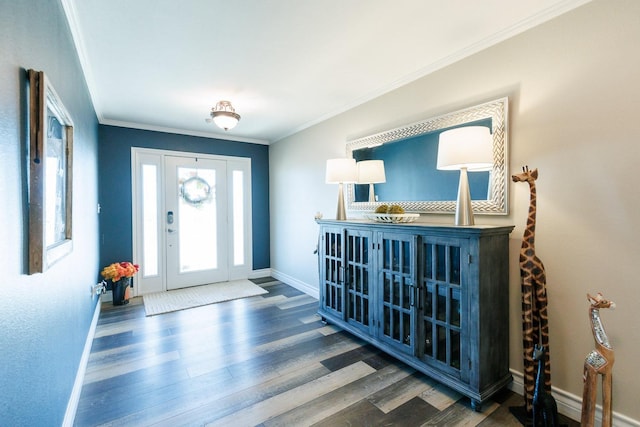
[224, 115]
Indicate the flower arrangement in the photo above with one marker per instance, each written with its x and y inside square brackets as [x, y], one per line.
[118, 270]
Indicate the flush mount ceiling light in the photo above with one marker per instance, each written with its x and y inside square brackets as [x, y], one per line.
[224, 115]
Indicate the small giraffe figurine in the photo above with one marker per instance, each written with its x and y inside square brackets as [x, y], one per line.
[545, 408]
[598, 362]
[535, 326]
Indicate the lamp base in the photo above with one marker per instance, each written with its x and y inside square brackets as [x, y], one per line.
[372, 195]
[341, 214]
[464, 210]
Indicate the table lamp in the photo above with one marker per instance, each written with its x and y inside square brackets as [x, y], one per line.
[340, 171]
[465, 149]
[371, 172]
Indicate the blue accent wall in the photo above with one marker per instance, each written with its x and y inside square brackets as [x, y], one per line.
[45, 318]
[115, 185]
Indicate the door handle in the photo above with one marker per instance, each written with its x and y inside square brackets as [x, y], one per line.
[171, 230]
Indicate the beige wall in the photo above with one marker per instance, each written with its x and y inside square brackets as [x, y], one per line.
[574, 91]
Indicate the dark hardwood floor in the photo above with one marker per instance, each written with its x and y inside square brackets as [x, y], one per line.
[259, 361]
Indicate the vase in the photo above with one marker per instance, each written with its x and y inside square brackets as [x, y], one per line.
[120, 292]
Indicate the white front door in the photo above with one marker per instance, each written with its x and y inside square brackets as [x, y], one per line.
[195, 221]
[191, 217]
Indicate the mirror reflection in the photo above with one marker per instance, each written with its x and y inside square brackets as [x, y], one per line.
[410, 155]
[411, 173]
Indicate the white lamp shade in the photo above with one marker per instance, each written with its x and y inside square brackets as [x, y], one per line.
[341, 171]
[371, 172]
[468, 147]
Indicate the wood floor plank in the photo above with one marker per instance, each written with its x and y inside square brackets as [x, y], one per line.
[502, 417]
[148, 395]
[264, 379]
[330, 329]
[266, 360]
[165, 340]
[341, 398]
[207, 402]
[198, 409]
[297, 301]
[362, 413]
[461, 415]
[401, 392]
[363, 352]
[271, 355]
[412, 413]
[269, 408]
[440, 396]
[129, 365]
[310, 318]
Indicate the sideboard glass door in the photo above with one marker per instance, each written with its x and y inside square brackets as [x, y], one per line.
[333, 271]
[442, 298]
[396, 278]
[358, 266]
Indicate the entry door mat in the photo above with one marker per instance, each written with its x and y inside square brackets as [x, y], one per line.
[181, 299]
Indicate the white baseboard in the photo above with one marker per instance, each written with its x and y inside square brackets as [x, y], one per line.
[299, 285]
[74, 399]
[570, 405]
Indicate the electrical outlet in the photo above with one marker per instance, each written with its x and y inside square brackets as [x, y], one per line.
[99, 288]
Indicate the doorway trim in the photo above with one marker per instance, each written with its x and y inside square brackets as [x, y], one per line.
[234, 164]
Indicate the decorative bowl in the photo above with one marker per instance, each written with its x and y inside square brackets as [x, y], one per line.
[392, 218]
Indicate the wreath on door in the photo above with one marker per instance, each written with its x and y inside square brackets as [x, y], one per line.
[195, 191]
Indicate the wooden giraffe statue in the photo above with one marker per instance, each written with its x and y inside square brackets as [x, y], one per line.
[598, 362]
[535, 326]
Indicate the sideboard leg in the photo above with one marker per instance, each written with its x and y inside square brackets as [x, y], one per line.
[476, 405]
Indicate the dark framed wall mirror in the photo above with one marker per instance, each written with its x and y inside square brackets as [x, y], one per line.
[50, 175]
[410, 153]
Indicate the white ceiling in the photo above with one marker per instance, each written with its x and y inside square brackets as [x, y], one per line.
[284, 64]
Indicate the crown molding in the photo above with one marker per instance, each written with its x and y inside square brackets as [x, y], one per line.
[78, 41]
[212, 135]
